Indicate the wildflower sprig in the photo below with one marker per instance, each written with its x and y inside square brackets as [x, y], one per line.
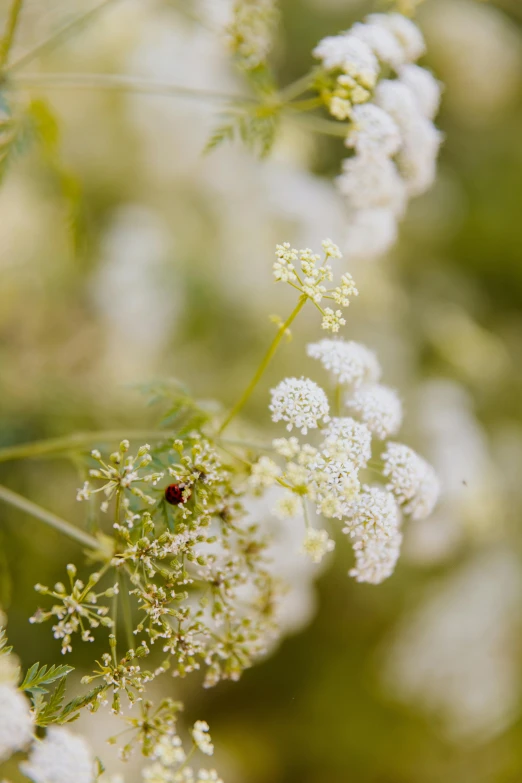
[78, 611]
[188, 563]
[305, 271]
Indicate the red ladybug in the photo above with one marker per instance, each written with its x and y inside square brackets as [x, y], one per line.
[176, 494]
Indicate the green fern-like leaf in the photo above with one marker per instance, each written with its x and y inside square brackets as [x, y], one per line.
[71, 710]
[37, 677]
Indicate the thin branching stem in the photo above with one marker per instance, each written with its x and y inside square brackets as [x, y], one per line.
[6, 43]
[55, 39]
[113, 82]
[14, 499]
[264, 364]
[80, 440]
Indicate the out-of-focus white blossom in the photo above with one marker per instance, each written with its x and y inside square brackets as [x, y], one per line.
[61, 757]
[370, 233]
[411, 479]
[317, 544]
[264, 473]
[351, 363]
[405, 31]
[16, 721]
[371, 182]
[251, 31]
[301, 403]
[373, 131]
[424, 86]
[349, 54]
[383, 43]
[456, 655]
[379, 407]
[201, 736]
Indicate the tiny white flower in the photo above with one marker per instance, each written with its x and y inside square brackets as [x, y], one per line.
[347, 439]
[383, 43]
[288, 506]
[411, 479]
[405, 31]
[373, 131]
[351, 363]
[349, 54]
[379, 407]
[265, 473]
[301, 403]
[370, 182]
[317, 544]
[201, 736]
[424, 86]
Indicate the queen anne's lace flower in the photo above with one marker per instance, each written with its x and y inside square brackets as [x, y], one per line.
[61, 757]
[348, 439]
[397, 100]
[405, 31]
[411, 479]
[369, 182]
[424, 86]
[350, 362]
[333, 484]
[301, 403]
[379, 407]
[16, 721]
[317, 544]
[373, 131]
[287, 506]
[375, 559]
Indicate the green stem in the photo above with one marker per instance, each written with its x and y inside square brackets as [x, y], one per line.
[338, 399]
[80, 440]
[8, 496]
[10, 30]
[121, 83]
[319, 124]
[60, 35]
[296, 88]
[264, 364]
[127, 612]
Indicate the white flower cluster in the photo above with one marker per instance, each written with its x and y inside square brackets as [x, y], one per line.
[328, 475]
[305, 271]
[16, 721]
[170, 759]
[394, 141]
[121, 474]
[411, 479]
[251, 31]
[59, 758]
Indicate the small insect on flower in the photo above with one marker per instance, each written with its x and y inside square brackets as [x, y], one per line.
[177, 494]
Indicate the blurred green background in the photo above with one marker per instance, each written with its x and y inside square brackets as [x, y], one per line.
[126, 257]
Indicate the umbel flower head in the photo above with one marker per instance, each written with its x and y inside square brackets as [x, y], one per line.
[329, 476]
[301, 403]
[368, 79]
[308, 273]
